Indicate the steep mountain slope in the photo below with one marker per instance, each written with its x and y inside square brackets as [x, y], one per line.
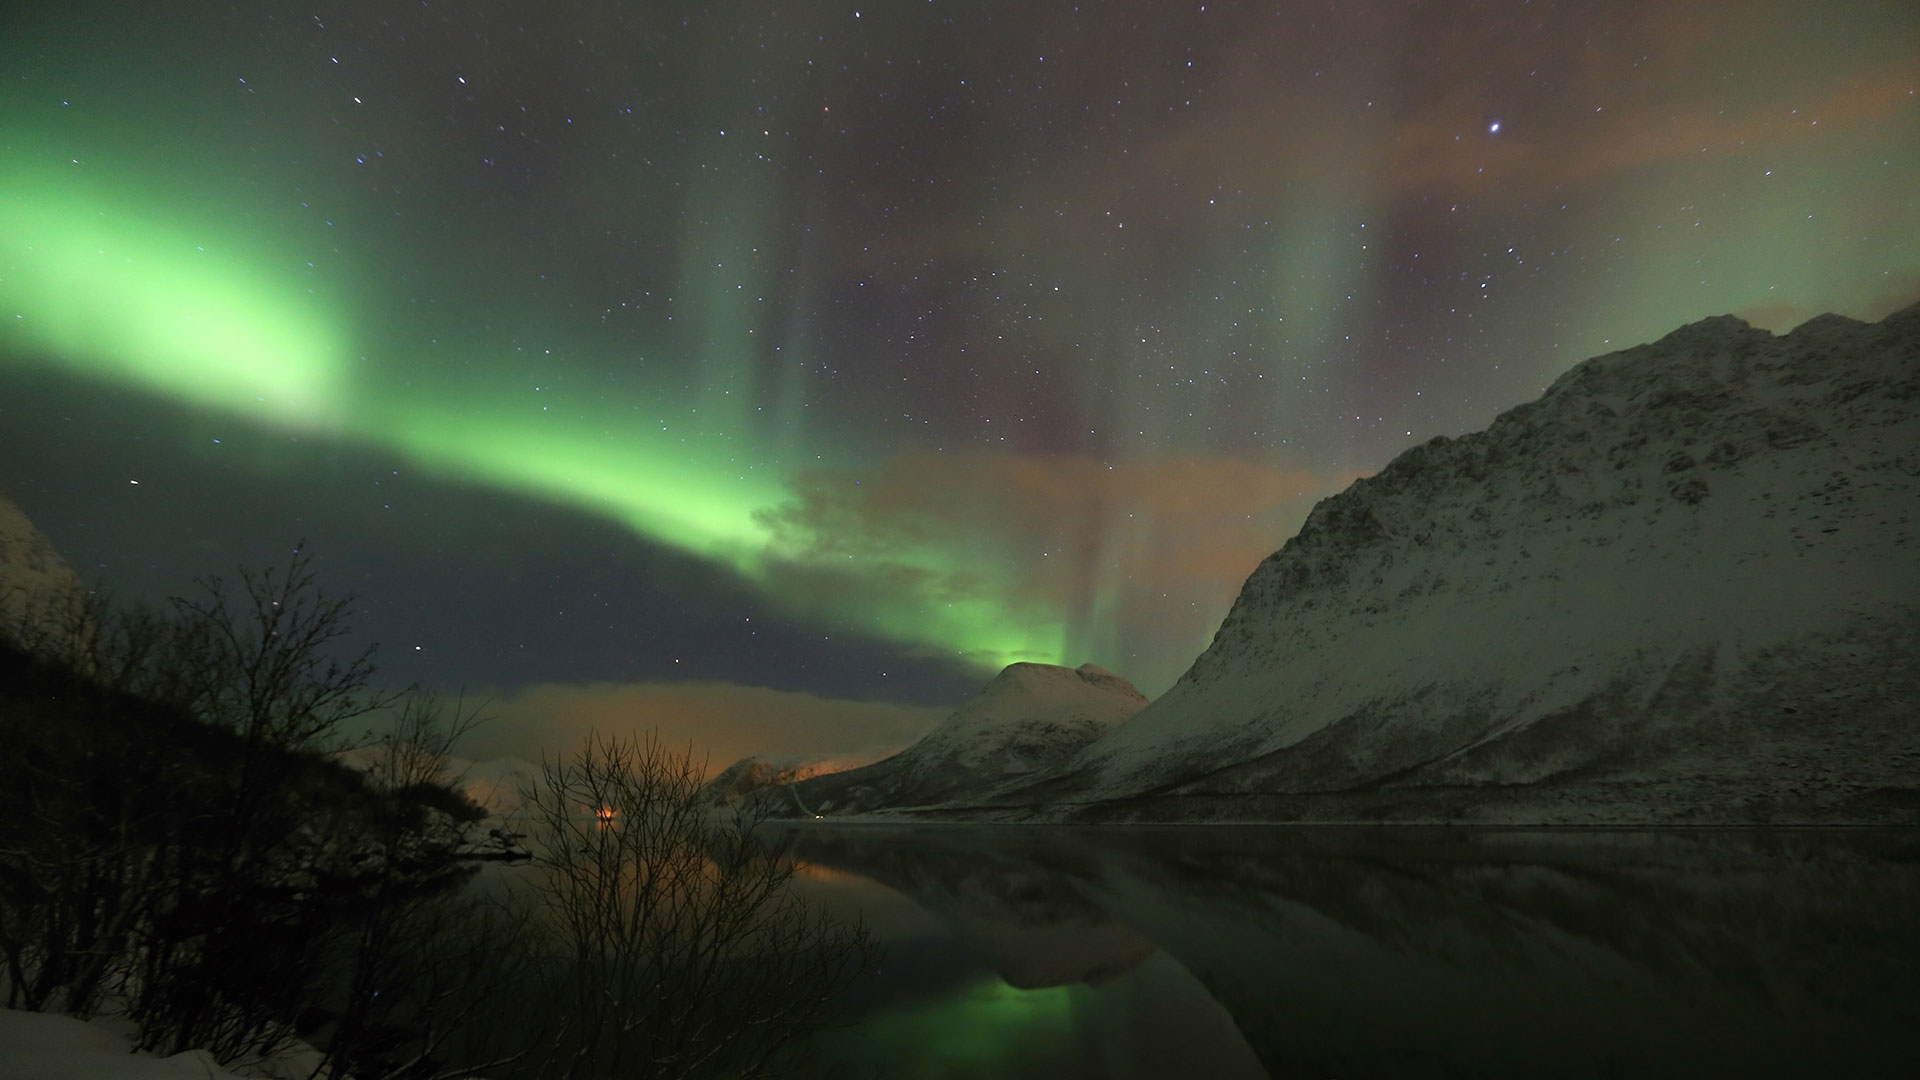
[1683, 585]
[1030, 717]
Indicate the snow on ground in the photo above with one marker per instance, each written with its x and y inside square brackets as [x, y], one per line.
[50, 1046]
[47, 1046]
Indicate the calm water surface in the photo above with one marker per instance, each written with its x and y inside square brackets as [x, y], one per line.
[1347, 952]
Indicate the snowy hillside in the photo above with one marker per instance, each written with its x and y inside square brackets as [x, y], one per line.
[1030, 717]
[1683, 585]
[40, 595]
[46, 1046]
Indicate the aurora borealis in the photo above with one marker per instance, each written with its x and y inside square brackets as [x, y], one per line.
[853, 351]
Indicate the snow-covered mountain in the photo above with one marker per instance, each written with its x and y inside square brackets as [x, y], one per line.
[1683, 585]
[1028, 718]
[750, 774]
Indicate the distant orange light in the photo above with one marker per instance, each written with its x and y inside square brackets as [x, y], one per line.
[606, 814]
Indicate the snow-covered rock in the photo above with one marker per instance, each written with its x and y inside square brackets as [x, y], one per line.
[42, 601]
[1683, 585]
[1028, 718]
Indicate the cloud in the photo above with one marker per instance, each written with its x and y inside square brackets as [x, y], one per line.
[1205, 517]
[1130, 564]
[1664, 87]
[720, 722]
[1655, 86]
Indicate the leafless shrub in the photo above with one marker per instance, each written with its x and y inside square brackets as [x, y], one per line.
[172, 833]
[681, 951]
[176, 836]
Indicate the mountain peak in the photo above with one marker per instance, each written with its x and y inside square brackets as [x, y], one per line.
[1029, 717]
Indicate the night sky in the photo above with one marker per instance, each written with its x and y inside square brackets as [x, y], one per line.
[774, 372]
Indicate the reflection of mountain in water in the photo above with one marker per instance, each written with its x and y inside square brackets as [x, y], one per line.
[1034, 922]
[1455, 952]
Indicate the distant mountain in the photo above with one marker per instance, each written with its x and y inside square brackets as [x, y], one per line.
[42, 601]
[1683, 585]
[1030, 717]
[750, 774]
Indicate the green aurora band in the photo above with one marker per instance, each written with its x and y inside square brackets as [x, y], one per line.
[112, 287]
[166, 177]
[105, 290]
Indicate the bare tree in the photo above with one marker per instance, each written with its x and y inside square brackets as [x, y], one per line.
[410, 977]
[682, 950]
[73, 826]
[449, 995]
[263, 659]
[174, 832]
[417, 747]
[238, 921]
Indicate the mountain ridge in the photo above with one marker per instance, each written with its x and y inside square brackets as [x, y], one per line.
[1679, 586]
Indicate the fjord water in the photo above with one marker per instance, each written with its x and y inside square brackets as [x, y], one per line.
[1296, 951]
